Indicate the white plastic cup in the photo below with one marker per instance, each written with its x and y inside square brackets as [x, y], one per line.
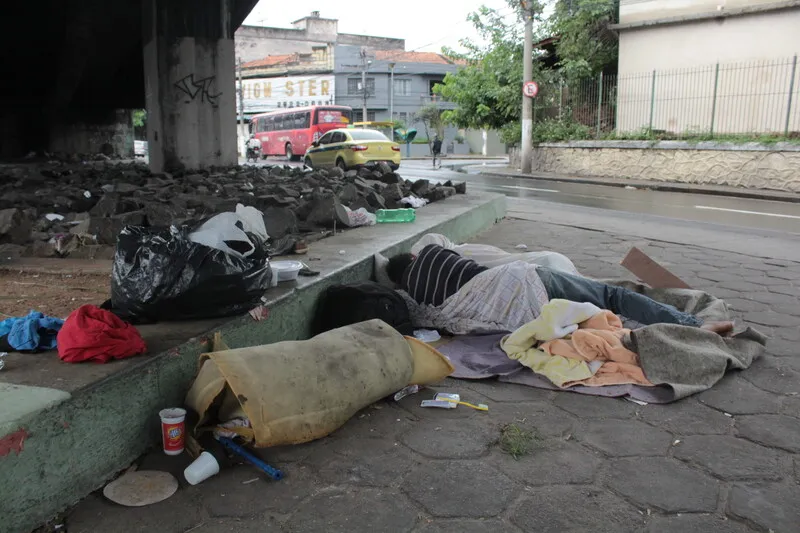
[173, 430]
[201, 469]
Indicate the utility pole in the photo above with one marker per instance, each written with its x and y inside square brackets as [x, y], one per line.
[242, 129]
[527, 102]
[364, 65]
[391, 100]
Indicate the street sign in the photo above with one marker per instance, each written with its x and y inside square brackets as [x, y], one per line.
[530, 89]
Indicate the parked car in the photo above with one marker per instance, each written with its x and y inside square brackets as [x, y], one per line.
[353, 148]
[139, 148]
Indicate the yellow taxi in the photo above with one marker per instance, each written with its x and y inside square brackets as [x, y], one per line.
[353, 148]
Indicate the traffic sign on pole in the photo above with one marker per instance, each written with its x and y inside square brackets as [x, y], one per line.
[530, 89]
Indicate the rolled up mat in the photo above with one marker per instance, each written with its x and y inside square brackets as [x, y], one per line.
[298, 391]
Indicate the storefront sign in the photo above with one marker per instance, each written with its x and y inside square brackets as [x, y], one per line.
[267, 94]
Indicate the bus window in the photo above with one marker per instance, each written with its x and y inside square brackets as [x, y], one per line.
[333, 116]
[305, 120]
[251, 128]
[279, 122]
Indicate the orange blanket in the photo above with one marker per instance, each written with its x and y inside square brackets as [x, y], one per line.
[600, 339]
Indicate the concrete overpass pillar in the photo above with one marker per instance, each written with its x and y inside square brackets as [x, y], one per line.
[189, 72]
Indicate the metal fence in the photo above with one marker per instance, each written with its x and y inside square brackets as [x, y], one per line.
[753, 98]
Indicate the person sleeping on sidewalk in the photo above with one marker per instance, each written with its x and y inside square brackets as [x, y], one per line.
[510, 295]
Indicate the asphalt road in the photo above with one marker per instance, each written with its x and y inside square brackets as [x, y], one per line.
[753, 227]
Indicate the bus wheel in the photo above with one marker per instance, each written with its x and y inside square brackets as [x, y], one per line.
[340, 164]
[308, 162]
[289, 153]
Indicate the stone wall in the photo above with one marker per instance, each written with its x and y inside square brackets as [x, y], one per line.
[749, 165]
[111, 134]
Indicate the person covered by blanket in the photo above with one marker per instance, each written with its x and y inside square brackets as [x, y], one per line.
[437, 273]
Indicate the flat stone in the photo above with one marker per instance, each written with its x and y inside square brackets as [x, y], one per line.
[227, 494]
[450, 439]
[774, 375]
[593, 407]
[687, 417]
[506, 392]
[746, 306]
[779, 320]
[664, 484]
[107, 206]
[280, 221]
[466, 526]
[772, 298]
[376, 201]
[237, 525]
[15, 227]
[560, 463]
[694, 524]
[737, 396]
[449, 489]
[784, 288]
[729, 458]
[365, 461]
[348, 194]
[777, 431]
[782, 348]
[348, 510]
[774, 507]
[95, 513]
[421, 187]
[589, 509]
[624, 438]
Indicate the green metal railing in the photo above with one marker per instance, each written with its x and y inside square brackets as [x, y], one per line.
[751, 98]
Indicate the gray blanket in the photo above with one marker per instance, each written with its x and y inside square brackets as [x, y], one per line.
[680, 360]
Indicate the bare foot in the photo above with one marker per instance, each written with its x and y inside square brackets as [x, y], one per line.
[720, 328]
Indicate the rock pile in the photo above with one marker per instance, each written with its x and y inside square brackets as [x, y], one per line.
[62, 209]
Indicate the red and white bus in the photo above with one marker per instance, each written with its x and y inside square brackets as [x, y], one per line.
[289, 132]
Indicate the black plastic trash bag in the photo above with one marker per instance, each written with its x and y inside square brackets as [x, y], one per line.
[159, 274]
[343, 305]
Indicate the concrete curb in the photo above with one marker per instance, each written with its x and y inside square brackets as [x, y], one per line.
[73, 447]
[776, 196]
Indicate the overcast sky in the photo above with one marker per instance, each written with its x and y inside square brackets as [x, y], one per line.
[426, 25]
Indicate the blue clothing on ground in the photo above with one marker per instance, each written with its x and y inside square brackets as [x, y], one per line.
[32, 332]
[619, 300]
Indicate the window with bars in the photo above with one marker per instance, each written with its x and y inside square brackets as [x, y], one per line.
[354, 86]
[358, 116]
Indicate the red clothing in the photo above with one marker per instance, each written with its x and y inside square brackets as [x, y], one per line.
[94, 334]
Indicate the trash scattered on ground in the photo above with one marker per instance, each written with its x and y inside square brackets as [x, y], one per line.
[272, 472]
[342, 252]
[287, 270]
[30, 333]
[631, 188]
[414, 202]
[2, 360]
[94, 334]
[447, 400]
[385, 216]
[637, 402]
[173, 430]
[259, 313]
[306, 271]
[354, 219]
[201, 469]
[427, 335]
[406, 391]
[160, 274]
[140, 488]
[521, 247]
[649, 271]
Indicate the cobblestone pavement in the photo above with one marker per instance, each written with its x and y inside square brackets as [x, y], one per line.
[727, 460]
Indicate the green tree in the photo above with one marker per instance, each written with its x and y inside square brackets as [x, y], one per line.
[139, 117]
[585, 45]
[488, 89]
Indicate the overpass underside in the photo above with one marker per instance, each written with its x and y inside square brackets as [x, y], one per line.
[73, 69]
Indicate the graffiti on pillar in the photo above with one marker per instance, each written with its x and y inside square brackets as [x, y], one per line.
[198, 88]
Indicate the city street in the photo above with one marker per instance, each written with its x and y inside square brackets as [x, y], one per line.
[726, 460]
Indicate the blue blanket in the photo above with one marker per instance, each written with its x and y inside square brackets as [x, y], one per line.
[31, 333]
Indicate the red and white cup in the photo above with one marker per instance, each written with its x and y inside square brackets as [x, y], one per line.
[173, 430]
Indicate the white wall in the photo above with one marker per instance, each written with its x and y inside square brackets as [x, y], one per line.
[755, 52]
[641, 10]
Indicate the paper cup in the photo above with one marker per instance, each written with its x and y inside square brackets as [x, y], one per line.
[173, 430]
[201, 469]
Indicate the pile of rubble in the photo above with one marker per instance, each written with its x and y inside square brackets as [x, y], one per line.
[61, 209]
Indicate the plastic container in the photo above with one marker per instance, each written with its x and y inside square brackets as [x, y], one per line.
[396, 215]
[287, 270]
[173, 430]
[201, 469]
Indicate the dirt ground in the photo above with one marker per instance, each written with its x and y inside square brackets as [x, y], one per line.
[52, 294]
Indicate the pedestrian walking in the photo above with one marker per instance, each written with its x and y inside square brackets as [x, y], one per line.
[437, 150]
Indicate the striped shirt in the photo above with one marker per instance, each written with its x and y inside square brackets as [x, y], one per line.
[437, 273]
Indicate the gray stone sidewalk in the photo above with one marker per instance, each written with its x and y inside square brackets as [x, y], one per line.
[727, 460]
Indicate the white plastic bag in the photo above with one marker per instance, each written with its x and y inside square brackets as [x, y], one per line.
[217, 231]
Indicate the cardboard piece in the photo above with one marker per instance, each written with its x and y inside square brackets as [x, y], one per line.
[650, 272]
